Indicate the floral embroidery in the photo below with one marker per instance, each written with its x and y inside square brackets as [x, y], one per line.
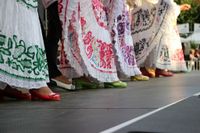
[17, 57]
[123, 30]
[99, 13]
[60, 6]
[140, 46]
[103, 49]
[73, 39]
[145, 20]
[164, 54]
[178, 55]
[4, 50]
[88, 51]
[29, 3]
[106, 54]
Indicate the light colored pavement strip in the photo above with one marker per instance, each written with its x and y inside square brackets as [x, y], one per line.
[197, 94]
[127, 123]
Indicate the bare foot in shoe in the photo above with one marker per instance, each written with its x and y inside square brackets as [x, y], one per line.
[63, 79]
[44, 90]
[44, 93]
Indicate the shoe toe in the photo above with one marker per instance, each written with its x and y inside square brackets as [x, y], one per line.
[64, 85]
[117, 84]
[139, 78]
[55, 97]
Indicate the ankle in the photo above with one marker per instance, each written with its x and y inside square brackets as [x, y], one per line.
[43, 90]
[63, 79]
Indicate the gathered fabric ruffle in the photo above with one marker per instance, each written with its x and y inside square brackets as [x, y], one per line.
[86, 44]
[119, 26]
[147, 25]
[156, 39]
[170, 54]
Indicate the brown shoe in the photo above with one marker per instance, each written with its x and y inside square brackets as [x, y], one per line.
[160, 72]
[147, 73]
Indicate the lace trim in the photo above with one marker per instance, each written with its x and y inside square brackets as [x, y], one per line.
[16, 82]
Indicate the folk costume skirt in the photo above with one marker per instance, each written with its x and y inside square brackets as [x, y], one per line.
[22, 55]
[86, 46]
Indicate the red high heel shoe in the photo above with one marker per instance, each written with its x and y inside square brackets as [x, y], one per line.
[163, 73]
[14, 93]
[52, 97]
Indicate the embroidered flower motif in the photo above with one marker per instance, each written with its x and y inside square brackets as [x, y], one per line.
[83, 22]
[99, 13]
[4, 50]
[121, 28]
[23, 58]
[29, 3]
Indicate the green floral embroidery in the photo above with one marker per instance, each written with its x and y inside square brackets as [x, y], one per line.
[4, 50]
[29, 3]
[15, 54]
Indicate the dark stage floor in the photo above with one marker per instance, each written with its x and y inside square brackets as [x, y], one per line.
[93, 111]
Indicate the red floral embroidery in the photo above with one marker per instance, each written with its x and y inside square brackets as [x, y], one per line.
[83, 22]
[99, 13]
[87, 38]
[106, 54]
[99, 53]
[60, 6]
[178, 55]
[105, 50]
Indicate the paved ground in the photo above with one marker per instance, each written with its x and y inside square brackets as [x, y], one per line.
[93, 111]
[182, 117]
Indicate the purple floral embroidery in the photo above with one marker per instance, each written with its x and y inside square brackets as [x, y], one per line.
[121, 28]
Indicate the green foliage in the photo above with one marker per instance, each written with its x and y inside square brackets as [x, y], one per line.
[193, 45]
[192, 16]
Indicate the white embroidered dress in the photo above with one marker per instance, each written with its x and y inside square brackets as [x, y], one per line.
[86, 44]
[170, 54]
[156, 40]
[22, 55]
[146, 26]
[119, 26]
